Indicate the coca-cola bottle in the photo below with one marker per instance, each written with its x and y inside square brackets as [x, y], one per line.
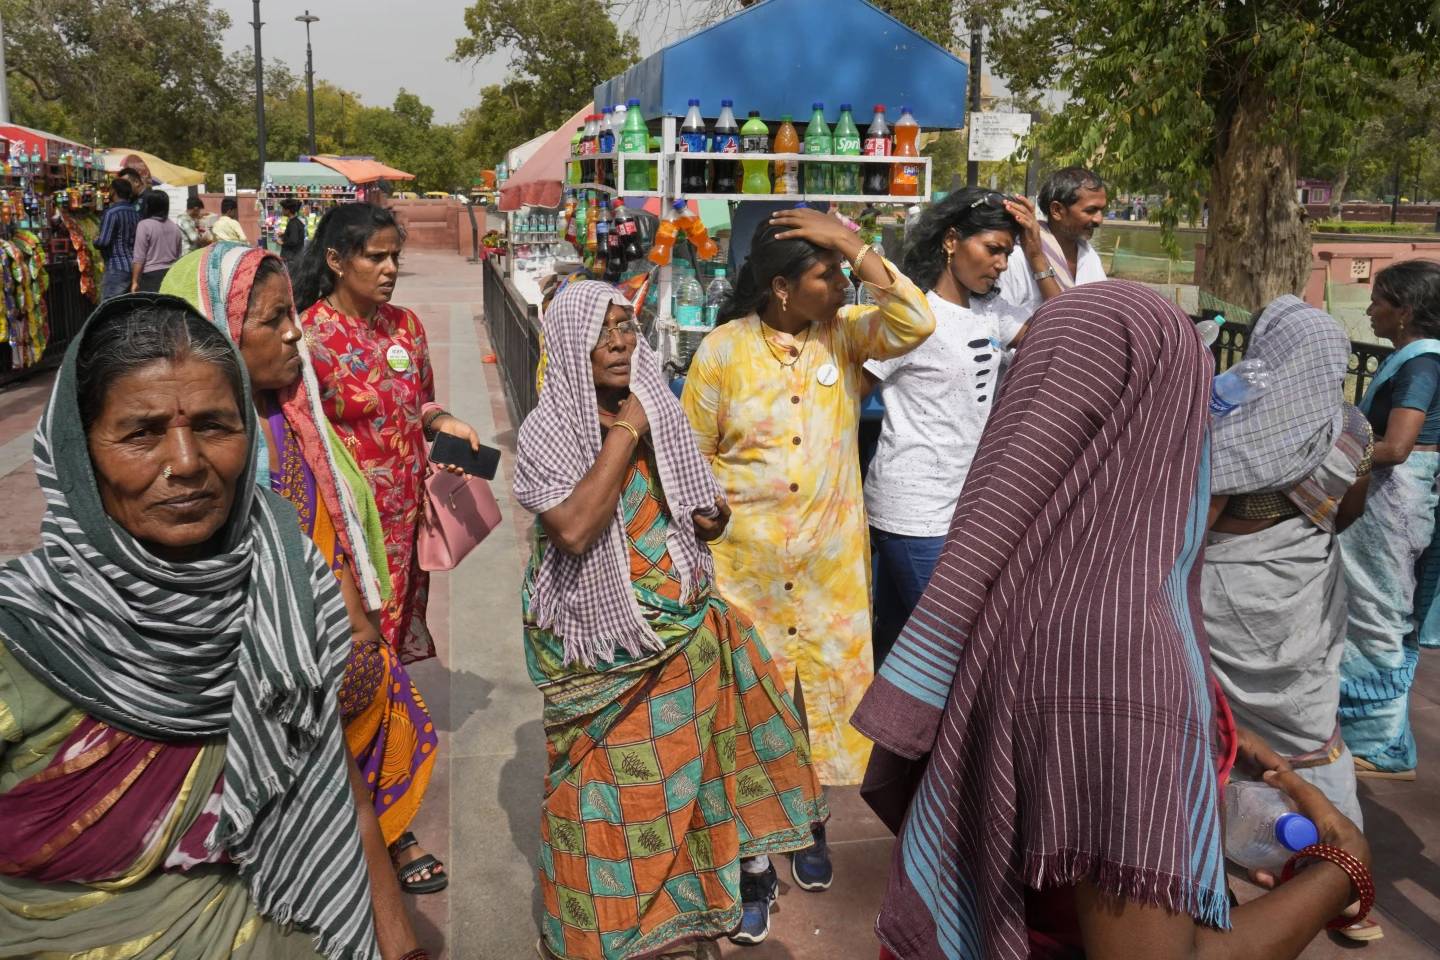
[877, 144]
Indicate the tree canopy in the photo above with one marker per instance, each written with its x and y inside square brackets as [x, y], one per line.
[558, 51]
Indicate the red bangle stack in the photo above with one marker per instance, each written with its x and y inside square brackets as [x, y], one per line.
[1358, 873]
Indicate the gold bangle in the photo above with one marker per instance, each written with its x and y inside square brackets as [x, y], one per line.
[859, 259]
[627, 426]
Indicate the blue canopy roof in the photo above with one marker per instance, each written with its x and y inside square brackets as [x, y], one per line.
[781, 55]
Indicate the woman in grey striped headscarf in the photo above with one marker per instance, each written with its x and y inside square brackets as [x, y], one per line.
[173, 778]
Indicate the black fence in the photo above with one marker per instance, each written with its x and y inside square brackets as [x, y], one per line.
[67, 310]
[514, 329]
[1365, 358]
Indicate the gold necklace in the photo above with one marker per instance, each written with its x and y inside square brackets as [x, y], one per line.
[778, 359]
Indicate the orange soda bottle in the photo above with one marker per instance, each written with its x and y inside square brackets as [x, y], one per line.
[666, 235]
[905, 177]
[694, 228]
[787, 172]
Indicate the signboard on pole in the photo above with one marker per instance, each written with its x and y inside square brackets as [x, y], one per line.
[996, 136]
[229, 184]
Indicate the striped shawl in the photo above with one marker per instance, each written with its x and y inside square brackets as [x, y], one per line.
[589, 601]
[248, 644]
[1045, 716]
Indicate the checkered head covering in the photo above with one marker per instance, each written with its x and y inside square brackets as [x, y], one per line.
[1279, 439]
[588, 601]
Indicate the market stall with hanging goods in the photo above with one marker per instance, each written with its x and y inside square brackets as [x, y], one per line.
[317, 186]
[151, 167]
[51, 193]
[729, 106]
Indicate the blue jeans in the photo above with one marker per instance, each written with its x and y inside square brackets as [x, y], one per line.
[903, 566]
[114, 283]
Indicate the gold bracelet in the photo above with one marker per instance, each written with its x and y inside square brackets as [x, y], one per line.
[859, 259]
[627, 426]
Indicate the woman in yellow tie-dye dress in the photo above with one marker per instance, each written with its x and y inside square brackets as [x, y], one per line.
[774, 398]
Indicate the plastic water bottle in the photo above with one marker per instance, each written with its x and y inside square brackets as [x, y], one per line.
[689, 301]
[1262, 829]
[1243, 383]
[1209, 329]
[715, 296]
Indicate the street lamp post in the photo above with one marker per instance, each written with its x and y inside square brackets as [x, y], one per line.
[308, 19]
[259, 93]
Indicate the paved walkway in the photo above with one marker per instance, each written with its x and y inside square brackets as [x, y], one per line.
[481, 814]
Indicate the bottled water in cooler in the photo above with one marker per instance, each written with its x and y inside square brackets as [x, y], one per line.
[715, 296]
[689, 300]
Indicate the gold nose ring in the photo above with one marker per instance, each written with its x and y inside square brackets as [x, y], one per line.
[167, 472]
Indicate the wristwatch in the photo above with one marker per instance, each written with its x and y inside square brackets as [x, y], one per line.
[1044, 275]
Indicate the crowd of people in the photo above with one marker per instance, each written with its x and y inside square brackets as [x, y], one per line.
[1060, 609]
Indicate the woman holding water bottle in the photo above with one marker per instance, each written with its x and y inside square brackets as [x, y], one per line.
[1050, 746]
[1391, 561]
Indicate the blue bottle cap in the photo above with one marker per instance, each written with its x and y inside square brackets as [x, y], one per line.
[904, 109]
[609, 110]
[727, 103]
[844, 108]
[1295, 831]
[680, 204]
[817, 105]
[694, 102]
[633, 102]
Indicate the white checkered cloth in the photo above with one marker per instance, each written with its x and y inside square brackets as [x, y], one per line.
[1279, 439]
[588, 601]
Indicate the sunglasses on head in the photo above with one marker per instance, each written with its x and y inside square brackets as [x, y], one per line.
[991, 199]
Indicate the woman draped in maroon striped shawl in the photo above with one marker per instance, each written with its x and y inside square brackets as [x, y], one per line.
[1047, 725]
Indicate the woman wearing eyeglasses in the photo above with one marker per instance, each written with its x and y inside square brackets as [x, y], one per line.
[937, 396]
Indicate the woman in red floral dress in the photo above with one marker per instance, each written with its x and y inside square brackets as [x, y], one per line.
[378, 390]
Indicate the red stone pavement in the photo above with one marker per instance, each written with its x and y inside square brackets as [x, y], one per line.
[481, 813]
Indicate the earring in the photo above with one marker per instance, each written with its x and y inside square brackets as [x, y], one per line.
[167, 472]
[784, 304]
[949, 255]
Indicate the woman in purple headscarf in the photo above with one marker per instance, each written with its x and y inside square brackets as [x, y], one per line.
[1047, 727]
[674, 749]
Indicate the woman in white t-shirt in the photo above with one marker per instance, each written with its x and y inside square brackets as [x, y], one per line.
[937, 396]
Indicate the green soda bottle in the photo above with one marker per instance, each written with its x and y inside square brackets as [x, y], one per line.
[634, 138]
[818, 141]
[755, 138]
[572, 169]
[656, 146]
[847, 144]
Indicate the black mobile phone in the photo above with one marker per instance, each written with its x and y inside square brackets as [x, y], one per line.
[449, 450]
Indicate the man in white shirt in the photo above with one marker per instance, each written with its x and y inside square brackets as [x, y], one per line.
[1073, 201]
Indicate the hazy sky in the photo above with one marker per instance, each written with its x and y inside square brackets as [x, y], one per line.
[375, 47]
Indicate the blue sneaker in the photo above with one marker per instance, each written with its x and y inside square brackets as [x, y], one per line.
[811, 867]
[757, 896]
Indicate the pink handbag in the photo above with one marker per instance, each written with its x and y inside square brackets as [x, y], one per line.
[458, 513]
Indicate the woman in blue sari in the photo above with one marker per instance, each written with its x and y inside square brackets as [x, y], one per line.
[1390, 565]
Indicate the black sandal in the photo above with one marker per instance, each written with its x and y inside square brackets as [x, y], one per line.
[410, 872]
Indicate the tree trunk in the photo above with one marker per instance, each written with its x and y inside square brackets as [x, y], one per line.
[1342, 180]
[1258, 245]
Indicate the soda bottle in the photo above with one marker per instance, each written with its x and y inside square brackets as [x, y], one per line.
[715, 296]
[656, 146]
[818, 141]
[606, 141]
[787, 172]
[1241, 384]
[905, 177]
[1262, 829]
[725, 174]
[692, 139]
[694, 228]
[603, 224]
[572, 169]
[592, 147]
[689, 301]
[847, 144]
[635, 139]
[666, 235]
[877, 144]
[628, 231]
[755, 138]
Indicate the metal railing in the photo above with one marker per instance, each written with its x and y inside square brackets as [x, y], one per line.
[66, 310]
[514, 329]
[1365, 358]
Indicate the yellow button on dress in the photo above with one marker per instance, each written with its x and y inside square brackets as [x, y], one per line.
[784, 445]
